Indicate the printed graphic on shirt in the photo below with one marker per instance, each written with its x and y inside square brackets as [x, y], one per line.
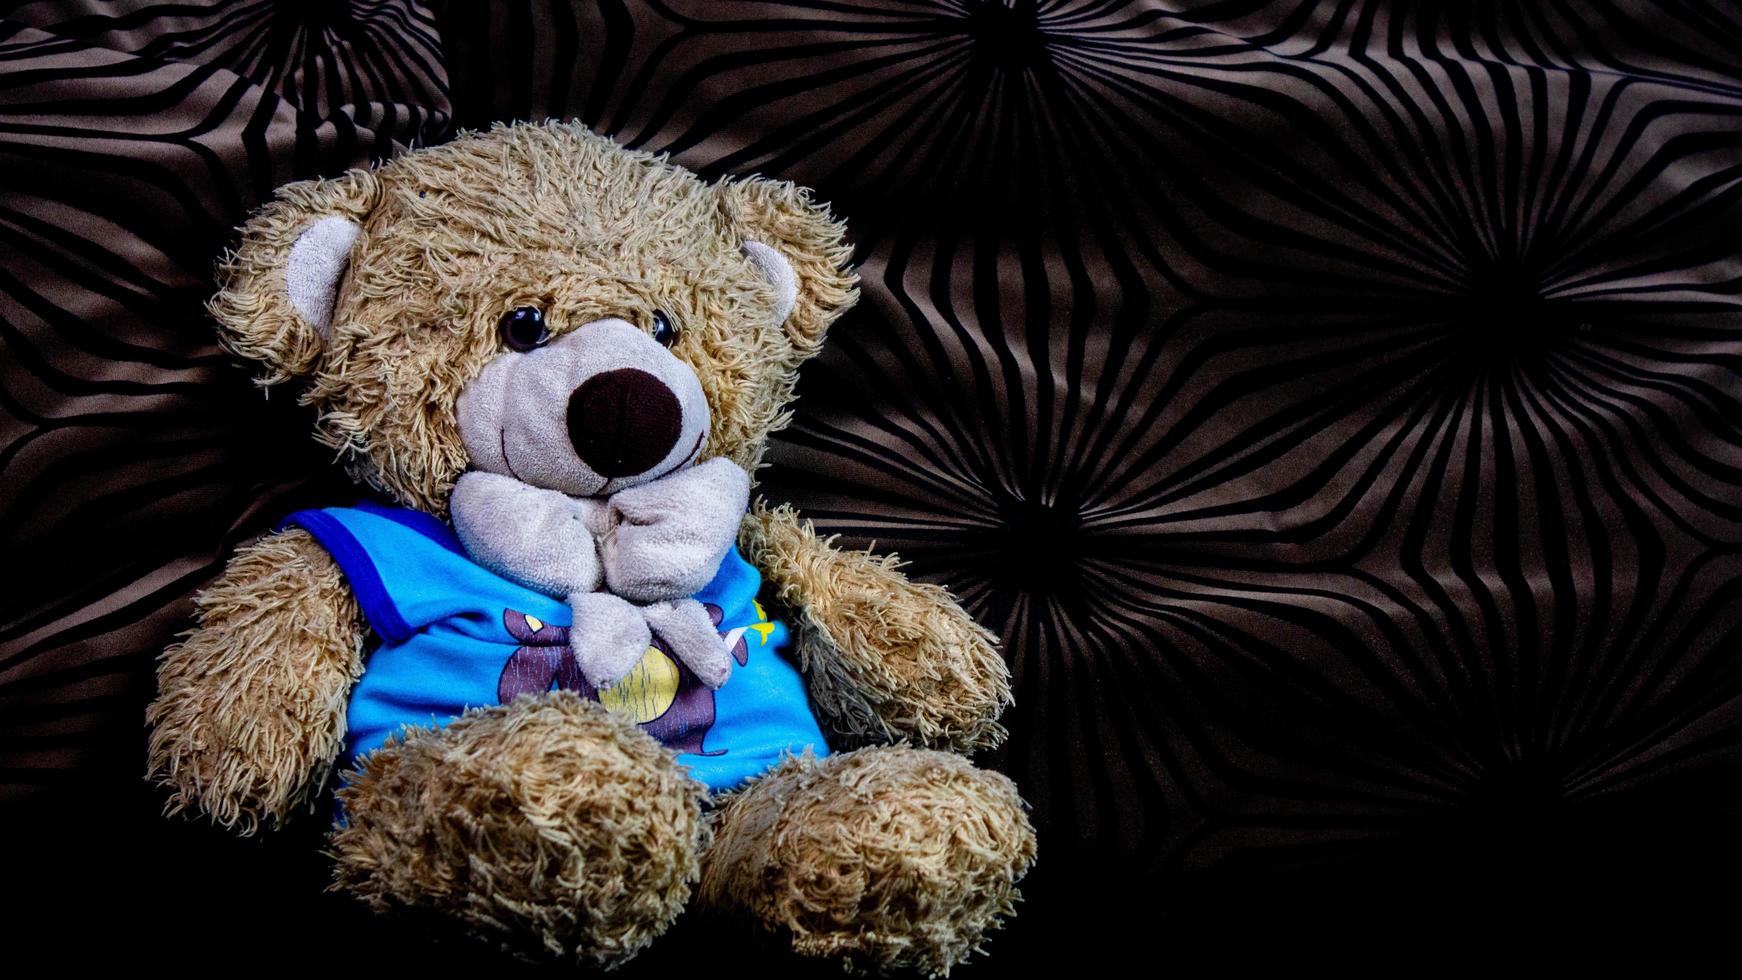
[660, 694]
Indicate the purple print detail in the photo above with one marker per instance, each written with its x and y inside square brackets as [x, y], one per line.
[686, 722]
[546, 659]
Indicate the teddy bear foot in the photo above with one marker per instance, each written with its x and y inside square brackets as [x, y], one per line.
[548, 827]
[886, 857]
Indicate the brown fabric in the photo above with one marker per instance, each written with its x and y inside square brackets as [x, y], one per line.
[1333, 406]
[136, 456]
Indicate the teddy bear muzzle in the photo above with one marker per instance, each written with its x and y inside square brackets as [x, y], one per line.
[624, 422]
[601, 408]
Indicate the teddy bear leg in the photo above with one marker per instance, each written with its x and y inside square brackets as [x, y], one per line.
[887, 857]
[548, 826]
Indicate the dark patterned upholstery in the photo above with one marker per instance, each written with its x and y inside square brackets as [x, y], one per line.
[1336, 407]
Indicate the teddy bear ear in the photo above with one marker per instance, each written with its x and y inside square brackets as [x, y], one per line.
[278, 289]
[799, 248]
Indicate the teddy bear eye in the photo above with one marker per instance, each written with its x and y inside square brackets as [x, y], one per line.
[663, 330]
[523, 328]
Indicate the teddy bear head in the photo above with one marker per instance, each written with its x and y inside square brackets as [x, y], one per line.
[539, 302]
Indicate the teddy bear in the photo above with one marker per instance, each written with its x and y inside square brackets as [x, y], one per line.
[559, 673]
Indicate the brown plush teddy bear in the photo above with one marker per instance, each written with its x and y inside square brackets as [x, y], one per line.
[558, 704]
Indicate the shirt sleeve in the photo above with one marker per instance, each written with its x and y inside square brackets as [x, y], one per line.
[330, 527]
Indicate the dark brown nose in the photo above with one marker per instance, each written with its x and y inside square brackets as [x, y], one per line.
[623, 422]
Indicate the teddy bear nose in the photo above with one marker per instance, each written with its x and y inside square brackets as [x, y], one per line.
[623, 422]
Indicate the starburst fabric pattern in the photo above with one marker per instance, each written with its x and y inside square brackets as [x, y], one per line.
[1336, 407]
[133, 454]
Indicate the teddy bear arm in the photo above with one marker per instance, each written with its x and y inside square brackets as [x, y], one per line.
[886, 659]
[250, 710]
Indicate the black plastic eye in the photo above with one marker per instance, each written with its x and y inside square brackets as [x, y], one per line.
[663, 331]
[523, 328]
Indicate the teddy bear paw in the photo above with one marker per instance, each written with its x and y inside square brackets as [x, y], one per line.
[686, 628]
[886, 858]
[609, 638]
[548, 826]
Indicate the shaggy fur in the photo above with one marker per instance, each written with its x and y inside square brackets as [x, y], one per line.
[783, 215]
[250, 711]
[885, 857]
[252, 307]
[549, 216]
[549, 826]
[886, 659]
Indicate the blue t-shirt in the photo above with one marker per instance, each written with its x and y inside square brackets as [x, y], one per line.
[455, 635]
